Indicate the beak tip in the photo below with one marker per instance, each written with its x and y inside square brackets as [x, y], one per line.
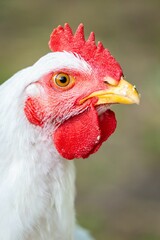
[138, 98]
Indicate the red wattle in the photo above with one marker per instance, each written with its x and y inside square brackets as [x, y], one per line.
[78, 135]
[82, 135]
[107, 124]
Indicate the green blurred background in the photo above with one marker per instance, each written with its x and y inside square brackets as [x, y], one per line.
[118, 195]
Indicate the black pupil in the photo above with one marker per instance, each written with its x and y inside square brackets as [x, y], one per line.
[63, 79]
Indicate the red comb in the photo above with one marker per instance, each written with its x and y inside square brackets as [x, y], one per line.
[62, 39]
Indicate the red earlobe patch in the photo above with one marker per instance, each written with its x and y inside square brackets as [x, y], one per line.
[33, 111]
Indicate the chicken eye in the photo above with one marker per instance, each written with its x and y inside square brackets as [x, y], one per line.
[62, 81]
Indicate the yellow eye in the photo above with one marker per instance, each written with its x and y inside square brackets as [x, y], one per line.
[63, 81]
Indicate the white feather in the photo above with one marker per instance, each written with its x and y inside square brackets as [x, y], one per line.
[36, 185]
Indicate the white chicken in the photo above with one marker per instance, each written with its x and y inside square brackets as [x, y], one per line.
[55, 110]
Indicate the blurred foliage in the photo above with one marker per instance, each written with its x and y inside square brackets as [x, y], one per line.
[119, 187]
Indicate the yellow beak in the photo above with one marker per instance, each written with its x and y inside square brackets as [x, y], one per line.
[124, 93]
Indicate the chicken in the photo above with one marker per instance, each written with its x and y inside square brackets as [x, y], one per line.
[54, 111]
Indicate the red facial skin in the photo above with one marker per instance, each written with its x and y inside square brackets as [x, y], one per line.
[83, 131]
[79, 131]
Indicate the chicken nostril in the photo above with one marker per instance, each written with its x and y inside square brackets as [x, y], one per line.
[110, 81]
[135, 89]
